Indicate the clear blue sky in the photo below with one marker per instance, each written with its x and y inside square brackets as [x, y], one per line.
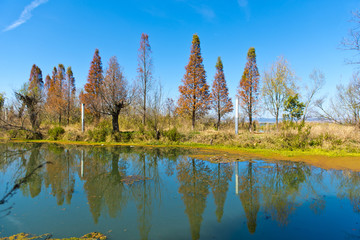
[48, 32]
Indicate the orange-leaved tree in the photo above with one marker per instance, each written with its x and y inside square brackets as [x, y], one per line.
[194, 100]
[248, 91]
[91, 96]
[220, 100]
[70, 93]
[35, 80]
[145, 72]
[56, 89]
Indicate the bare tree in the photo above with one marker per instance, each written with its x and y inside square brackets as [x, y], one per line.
[170, 109]
[352, 42]
[318, 80]
[278, 84]
[145, 72]
[156, 108]
[345, 109]
[2, 103]
[113, 92]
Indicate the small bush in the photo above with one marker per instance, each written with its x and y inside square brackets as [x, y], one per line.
[100, 133]
[55, 133]
[173, 135]
[295, 136]
[21, 134]
[126, 136]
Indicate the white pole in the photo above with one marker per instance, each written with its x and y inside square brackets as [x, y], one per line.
[82, 164]
[6, 114]
[236, 115]
[237, 178]
[82, 118]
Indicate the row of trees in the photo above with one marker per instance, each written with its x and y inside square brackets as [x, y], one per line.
[108, 92]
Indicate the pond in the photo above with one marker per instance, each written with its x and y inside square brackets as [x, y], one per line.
[169, 193]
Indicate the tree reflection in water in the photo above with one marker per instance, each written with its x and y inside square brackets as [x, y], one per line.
[194, 178]
[116, 177]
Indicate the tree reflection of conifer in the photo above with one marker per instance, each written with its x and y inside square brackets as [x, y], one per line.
[221, 175]
[194, 179]
[61, 174]
[249, 196]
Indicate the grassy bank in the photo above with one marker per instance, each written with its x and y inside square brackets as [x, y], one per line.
[322, 144]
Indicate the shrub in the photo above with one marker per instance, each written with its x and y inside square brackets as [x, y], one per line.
[15, 133]
[295, 136]
[173, 135]
[55, 133]
[100, 133]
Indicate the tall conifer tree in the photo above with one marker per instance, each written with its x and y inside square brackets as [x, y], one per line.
[249, 86]
[194, 100]
[91, 96]
[220, 100]
[70, 92]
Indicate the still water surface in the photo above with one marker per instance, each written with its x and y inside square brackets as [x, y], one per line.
[165, 193]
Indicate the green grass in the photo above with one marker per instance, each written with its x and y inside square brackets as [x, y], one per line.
[255, 151]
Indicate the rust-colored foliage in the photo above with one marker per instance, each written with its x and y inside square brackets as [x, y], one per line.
[91, 96]
[35, 80]
[194, 100]
[56, 92]
[220, 100]
[70, 93]
[145, 72]
[249, 86]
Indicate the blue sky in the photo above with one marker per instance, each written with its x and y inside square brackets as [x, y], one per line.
[48, 32]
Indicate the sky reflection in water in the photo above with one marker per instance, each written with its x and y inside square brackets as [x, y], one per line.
[163, 193]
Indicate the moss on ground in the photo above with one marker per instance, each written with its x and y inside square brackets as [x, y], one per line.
[26, 236]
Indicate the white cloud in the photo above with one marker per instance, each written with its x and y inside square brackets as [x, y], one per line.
[26, 14]
[243, 3]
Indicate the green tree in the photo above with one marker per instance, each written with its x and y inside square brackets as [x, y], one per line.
[294, 109]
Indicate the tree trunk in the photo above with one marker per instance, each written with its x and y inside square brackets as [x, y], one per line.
[68, 114]
[277, 120]
[60, 118]
[218, 122]
[250, 122]
[193, 120]
[115, 122]
[144, 114]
